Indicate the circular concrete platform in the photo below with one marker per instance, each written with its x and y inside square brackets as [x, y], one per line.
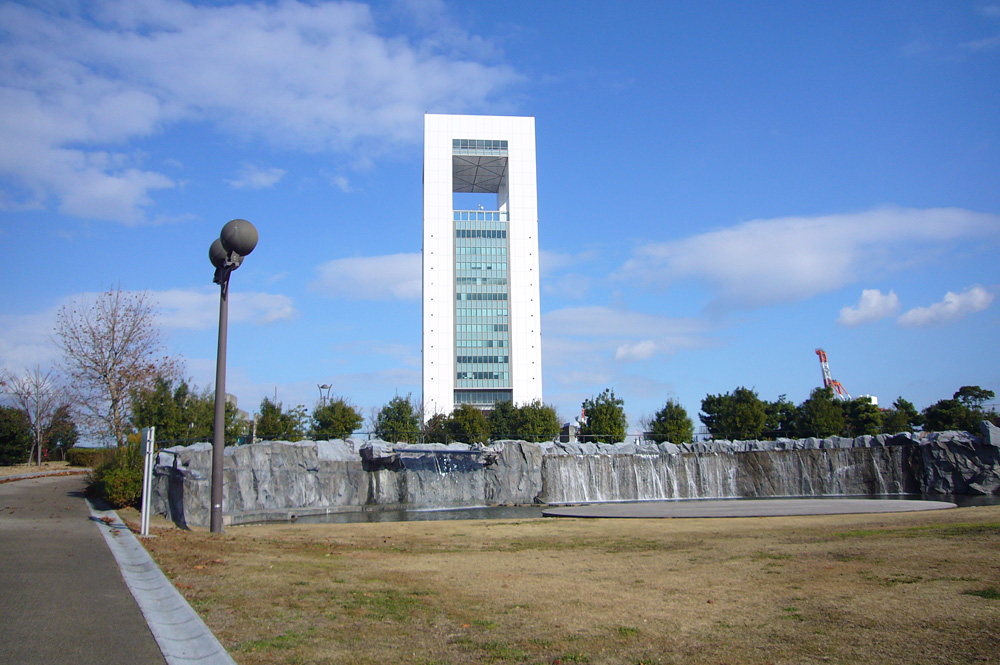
[744, 508]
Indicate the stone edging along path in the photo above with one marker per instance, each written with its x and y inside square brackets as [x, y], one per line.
[178, 630]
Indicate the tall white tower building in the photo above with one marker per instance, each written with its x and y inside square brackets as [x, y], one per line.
[481, 316]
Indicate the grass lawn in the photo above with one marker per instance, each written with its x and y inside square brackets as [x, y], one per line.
[897, 588]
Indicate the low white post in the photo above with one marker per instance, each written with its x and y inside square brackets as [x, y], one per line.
[148, 451]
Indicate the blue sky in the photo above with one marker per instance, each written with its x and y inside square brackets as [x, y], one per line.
[723, 188]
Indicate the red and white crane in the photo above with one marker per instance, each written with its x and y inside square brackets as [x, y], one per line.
[828, 380]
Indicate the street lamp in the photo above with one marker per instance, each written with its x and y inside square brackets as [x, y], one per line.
[323, 398]
[237, 239]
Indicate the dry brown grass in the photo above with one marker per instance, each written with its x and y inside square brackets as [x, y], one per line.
[900, 588]
[18, 469]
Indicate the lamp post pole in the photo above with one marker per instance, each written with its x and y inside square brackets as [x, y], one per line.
[219, 429]
[323, 398]
[237, 240]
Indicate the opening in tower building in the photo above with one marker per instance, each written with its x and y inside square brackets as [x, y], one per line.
[481, 316]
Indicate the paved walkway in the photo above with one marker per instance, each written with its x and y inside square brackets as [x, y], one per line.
[67, 571]
[63, 599]
[744, 508]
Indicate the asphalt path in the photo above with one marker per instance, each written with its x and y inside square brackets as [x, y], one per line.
[62, 596]
[743, 508]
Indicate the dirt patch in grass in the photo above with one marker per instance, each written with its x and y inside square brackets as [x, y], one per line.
[896, 588]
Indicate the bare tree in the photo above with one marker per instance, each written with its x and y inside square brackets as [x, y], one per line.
[111, 351]
[35, 394]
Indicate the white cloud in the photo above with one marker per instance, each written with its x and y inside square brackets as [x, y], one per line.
[574, 286]
[984, 44]
[341, 183]
[198, 309]
[570, 286]
[643, 350]
[310, 76]
[254, 176]
[26, 340]
[550, 261]
[606, 321]
[388, 277]
[873, 306]
[628, 336]
[787, 259]
[399, 354]
[953, 307]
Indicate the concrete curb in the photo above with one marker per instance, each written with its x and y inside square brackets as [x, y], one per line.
[180, 633]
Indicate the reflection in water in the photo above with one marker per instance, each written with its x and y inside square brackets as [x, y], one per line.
[391, 515]
[531, 512]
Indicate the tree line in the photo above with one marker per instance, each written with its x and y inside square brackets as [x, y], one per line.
[115, 378]
[37, 423]
[742, 415]
[401, 420]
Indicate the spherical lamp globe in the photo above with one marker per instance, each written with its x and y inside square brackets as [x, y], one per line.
[239, 236]
[217, 253]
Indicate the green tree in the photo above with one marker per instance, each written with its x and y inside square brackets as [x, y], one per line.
[862, 417]
[736, 415]
[947, 414]
[335, 420]
[964, 411]
[902, 417]
[604, 418]
[162, 406]
[503, 421]
[820, 415]
[15, 436]
[436, 429]
[36, 395]
[276, 424]
[534, 422]
[671, 423]
[180, 414]
[61, 434]
[913, 417]
[711, 406]
[973, 397]
[780, 417]
[398, 421]
[468, 425]
[895, 422]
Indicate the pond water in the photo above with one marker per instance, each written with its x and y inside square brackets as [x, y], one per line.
[532, 512]
[393, 515]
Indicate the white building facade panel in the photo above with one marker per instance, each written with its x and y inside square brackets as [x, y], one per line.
[481, 310]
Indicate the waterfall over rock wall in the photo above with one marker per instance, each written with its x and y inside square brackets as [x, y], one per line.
[281, 479]
[713, 475]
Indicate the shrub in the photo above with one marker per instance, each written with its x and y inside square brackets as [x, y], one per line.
[15, 436]
[91, 457]
[118, 479]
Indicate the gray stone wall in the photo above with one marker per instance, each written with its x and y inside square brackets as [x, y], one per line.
[281, 480]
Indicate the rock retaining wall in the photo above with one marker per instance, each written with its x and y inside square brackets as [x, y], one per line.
[280, 480]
